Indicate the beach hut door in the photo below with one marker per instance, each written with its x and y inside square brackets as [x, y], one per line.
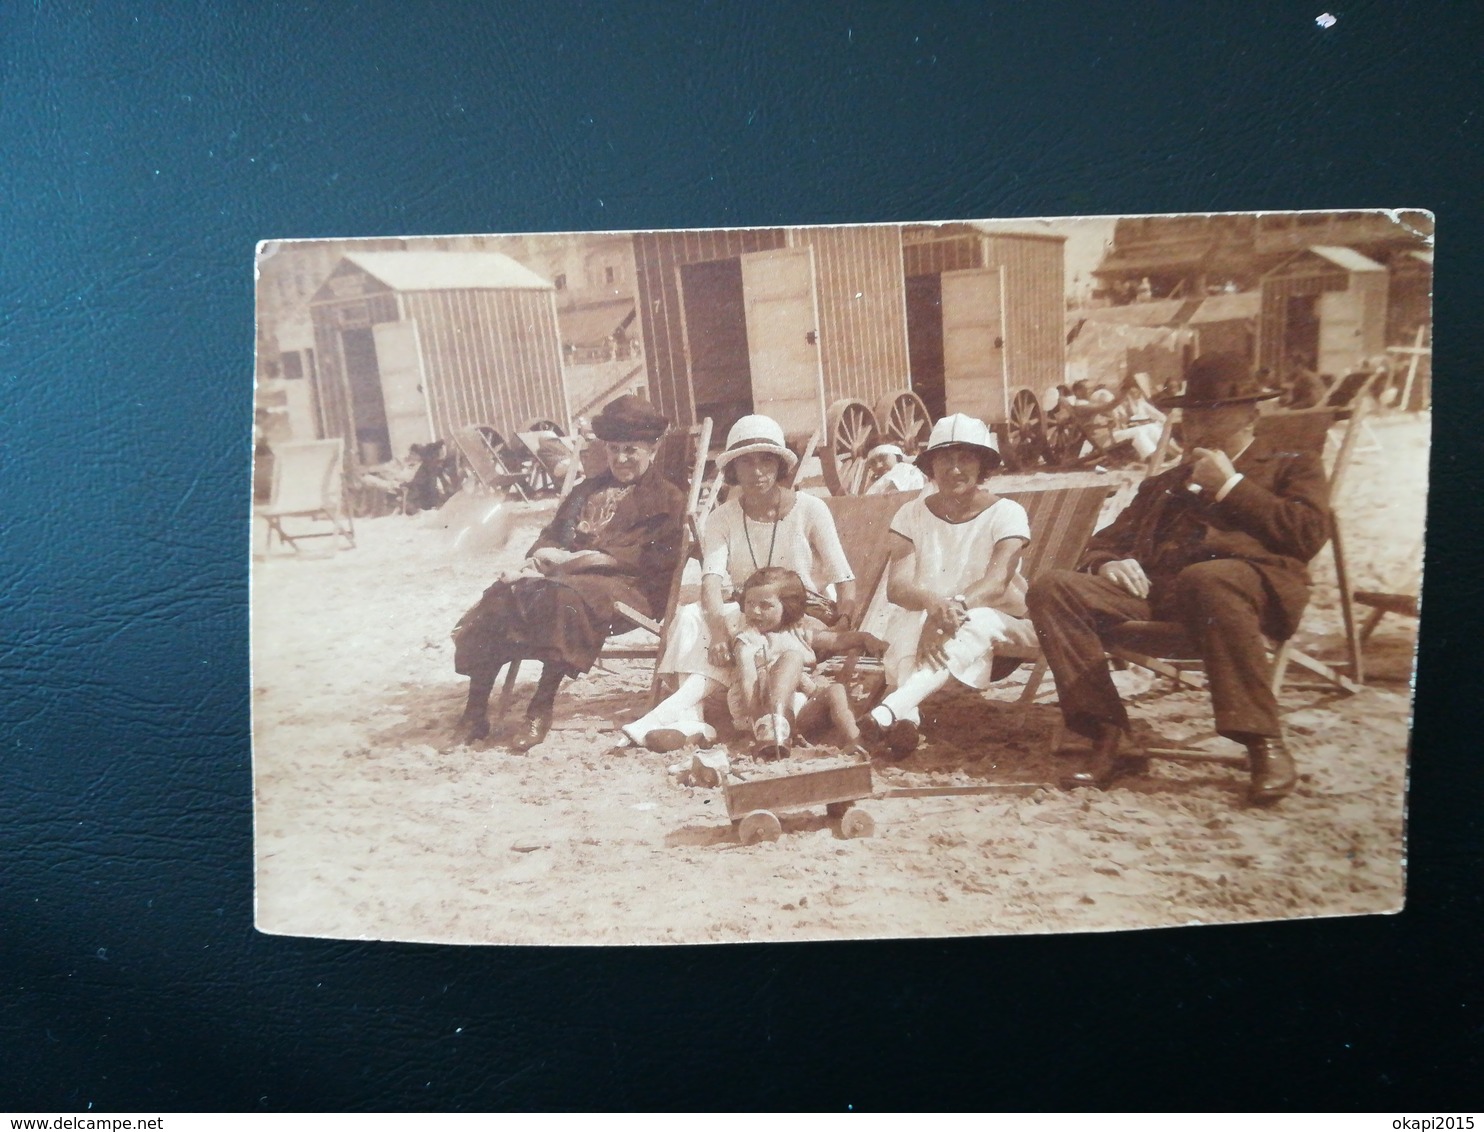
[974, 344]
[1341, 342]
[783, 337]
[399, 358]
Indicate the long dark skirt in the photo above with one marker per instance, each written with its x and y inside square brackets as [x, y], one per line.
[555, 621]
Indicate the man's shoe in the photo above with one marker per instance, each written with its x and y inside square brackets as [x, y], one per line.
[533, 730]
[1104, 766]
[1273, 774]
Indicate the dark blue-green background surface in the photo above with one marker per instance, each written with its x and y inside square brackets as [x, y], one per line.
[145, 148]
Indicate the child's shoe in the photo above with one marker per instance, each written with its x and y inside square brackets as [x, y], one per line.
[771, 733]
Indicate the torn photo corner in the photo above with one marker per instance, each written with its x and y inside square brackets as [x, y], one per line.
[806, 583]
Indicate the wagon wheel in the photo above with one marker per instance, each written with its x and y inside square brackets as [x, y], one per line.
[857, 823]
[1025, 431]
[1063, 438]
[760, 825]
[534, 472]
[904, 420]
[850, 428]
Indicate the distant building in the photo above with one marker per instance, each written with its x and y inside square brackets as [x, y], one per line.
[1186, 257]
[594, 276]
[1330, 289]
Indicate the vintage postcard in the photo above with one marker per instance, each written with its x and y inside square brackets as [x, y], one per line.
[811, 583]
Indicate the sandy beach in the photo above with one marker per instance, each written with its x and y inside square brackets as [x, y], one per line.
[373, 822]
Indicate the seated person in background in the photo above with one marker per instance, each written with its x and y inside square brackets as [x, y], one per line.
[1302, 387]
[954, 584]
[775, 654]
[888, 463]
[1137, 421]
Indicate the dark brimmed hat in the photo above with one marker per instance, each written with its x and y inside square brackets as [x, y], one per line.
[629, 418]
[960, 431]
[1214, 380]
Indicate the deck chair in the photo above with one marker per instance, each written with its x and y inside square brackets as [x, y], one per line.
[681, 457]
[309, 484]
[481, 447]
[547, 451]
[1400, 597]
[1163, 646]
[1061, 519]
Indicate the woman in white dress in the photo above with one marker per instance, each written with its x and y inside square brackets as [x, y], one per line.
[954, 585]
[762, 523]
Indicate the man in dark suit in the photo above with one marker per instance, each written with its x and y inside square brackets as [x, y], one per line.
[1221, 544]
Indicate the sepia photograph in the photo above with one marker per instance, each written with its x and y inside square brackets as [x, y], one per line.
[812, 583]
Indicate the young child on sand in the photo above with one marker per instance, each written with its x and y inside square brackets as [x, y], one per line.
[775, 654]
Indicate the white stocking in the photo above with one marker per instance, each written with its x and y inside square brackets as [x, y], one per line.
[681, 711]
[902, 703]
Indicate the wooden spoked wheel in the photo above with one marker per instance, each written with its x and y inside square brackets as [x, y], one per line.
[850, 430]
[534, 472]
[1025, 431]
[1064, 438]
[857, 823]
[760, 825]
[904, 420]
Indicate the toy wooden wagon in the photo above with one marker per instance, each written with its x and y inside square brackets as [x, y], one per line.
[754, 805]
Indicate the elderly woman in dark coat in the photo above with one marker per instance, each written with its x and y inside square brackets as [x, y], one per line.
[616, 538]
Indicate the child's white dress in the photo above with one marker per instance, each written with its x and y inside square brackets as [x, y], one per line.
[798, 639]
[948, 558]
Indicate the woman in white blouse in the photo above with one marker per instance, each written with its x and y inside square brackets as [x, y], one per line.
[955, 585]
[763, 523]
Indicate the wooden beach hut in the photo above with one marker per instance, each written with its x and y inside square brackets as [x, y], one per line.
[414, 345]
[785, 321]
[1326, 304]
[986, 323]
[822, 328]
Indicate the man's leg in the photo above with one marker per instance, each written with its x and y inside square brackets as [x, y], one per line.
[1070, 612]
[1223, 606]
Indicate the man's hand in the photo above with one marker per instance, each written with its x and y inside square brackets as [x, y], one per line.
[1211, 469]
[1127, 574]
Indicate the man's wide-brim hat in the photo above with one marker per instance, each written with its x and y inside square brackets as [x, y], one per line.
[629, 418]
[961, 431]
[756, 433]
[1214, 380]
